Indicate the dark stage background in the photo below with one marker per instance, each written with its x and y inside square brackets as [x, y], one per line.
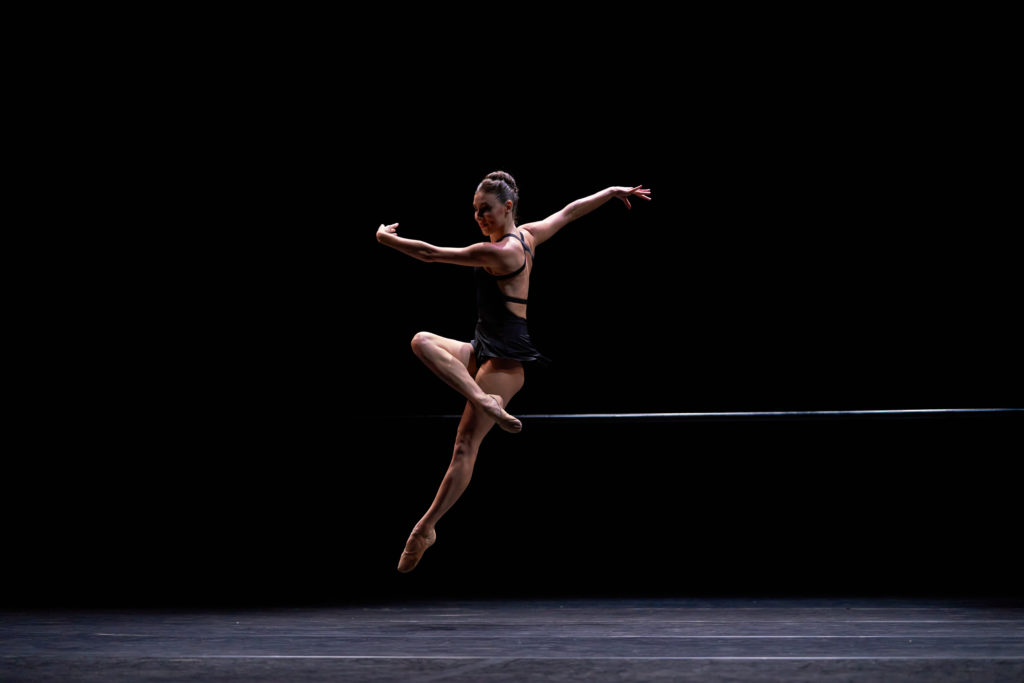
[221, 378]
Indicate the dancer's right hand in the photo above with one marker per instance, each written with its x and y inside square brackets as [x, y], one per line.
[624, 193]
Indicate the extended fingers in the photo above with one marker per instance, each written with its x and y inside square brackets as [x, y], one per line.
[638, 191]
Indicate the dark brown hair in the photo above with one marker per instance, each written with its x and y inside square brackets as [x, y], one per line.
[504, 186]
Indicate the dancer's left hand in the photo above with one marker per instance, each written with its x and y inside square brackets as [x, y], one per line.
[385, 230]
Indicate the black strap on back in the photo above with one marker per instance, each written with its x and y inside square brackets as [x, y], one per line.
[525, 248]
[506, 276]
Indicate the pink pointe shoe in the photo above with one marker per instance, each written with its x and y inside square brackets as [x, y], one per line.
[414, 549]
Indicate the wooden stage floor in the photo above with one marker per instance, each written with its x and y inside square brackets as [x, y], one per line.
[697, 639]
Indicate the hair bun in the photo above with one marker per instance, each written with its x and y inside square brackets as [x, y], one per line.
[503, 186]
[502, 175]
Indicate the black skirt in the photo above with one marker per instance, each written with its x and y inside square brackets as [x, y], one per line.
[506, 339]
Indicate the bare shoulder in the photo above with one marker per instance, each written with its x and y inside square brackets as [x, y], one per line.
[526, 229]
[528, 236]
[542, 231]
[498, 254]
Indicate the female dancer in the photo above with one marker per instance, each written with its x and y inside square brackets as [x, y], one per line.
[488, 371]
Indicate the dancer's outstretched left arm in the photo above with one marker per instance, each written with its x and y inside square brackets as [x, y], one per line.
[496, 256]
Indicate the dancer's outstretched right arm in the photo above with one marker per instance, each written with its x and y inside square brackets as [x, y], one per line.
[544, 230]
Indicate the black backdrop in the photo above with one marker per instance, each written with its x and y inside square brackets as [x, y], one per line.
[219, 409]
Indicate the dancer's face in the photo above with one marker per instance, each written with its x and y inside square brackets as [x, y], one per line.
[491, 215]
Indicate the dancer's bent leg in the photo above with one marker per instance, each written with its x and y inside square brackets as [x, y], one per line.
[450, 360]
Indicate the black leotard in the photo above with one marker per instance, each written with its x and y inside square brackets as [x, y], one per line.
[500, 333]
